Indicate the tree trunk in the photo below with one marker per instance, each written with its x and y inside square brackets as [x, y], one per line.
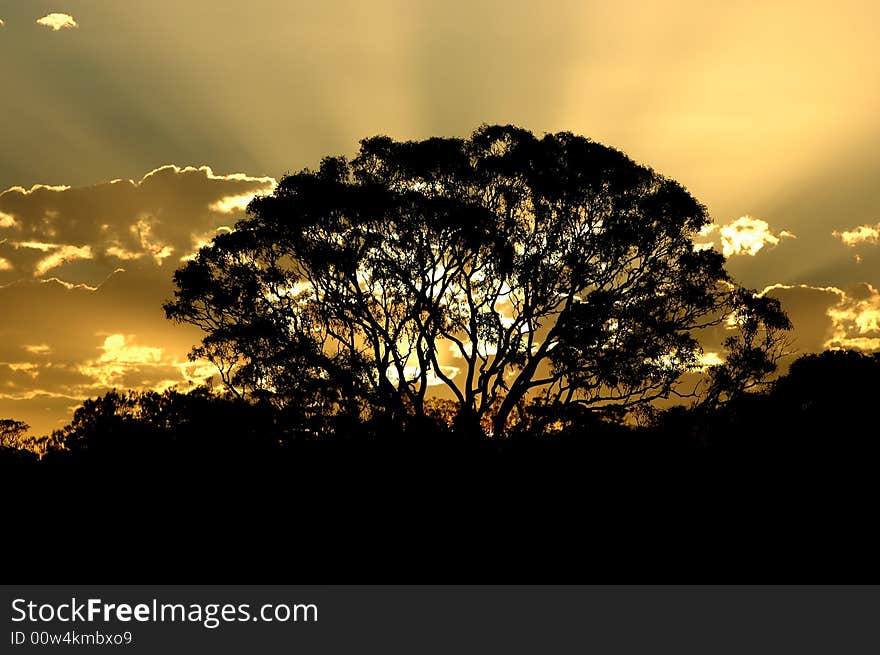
[517, 391]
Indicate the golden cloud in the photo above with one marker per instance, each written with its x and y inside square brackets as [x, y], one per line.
[7, 220]
[68, 285]
[32, 394]
[121, 253]
[830, 317]
[61, 255]
[124, 362]
[746, 235]
[42, 324]
[265, 183]
[143, 230]
[29, 368]
[856, 320]
[85, 340]
[169, 211]
[56, 22]
[36, 188]
[35, 245]
[860, 234]
[238, 203]
[119, 354]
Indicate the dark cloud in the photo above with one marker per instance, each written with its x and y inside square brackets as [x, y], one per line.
[87, 270]
[807, 307]
[830, 317]
[92, 230]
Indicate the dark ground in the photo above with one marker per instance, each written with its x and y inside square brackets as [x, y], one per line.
[781, 487]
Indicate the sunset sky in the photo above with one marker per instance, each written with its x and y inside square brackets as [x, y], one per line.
[132, 132]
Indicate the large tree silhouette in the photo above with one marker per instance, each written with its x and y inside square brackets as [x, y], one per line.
[502, 268]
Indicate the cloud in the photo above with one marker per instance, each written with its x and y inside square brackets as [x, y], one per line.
[35, 245]
[91, 230]
[39, 187]
[231, 204]
[57, 22]
[143, 230]
[28, 367]
[119, 355]
[61, 255]
[746, 235]
[68, 285]
[85, 339]
[856, 320]
[860, 234]
[125, 363]
[830, 317]
[118, 252]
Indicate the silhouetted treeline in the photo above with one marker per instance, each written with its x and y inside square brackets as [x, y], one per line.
[772, 486]
[824, 406]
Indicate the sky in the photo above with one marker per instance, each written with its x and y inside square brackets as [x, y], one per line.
[132, 132]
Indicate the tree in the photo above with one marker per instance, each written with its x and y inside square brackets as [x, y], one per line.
[14, 437]
[752, 352]
[140, 422]
[12, 433]
[500, 269]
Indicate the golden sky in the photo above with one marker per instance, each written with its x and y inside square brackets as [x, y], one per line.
[765, 110]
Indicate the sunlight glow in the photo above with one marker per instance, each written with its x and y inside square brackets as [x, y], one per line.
[412, 373]
[710, 358]
[230, 204]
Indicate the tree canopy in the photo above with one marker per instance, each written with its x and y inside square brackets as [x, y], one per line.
[494, 271]
[12, 432]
